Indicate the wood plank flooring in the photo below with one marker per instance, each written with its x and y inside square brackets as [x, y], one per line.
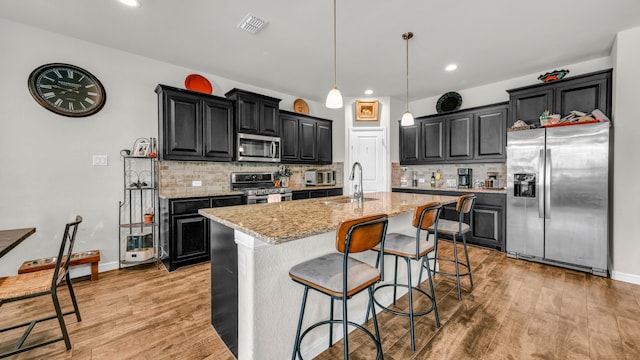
[517, 310]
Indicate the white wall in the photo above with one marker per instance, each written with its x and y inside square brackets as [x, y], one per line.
[46, 175]
[626, 244]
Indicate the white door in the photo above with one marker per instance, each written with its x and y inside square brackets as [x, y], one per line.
[368, 147]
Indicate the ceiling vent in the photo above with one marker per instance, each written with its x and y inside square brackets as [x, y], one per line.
[252, 24]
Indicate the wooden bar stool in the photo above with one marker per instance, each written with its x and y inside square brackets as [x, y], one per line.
[464, 206]
[413, 248]
[39, 283]
[340, 277]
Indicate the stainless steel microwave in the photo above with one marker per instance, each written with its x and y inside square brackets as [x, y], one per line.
[261, 148]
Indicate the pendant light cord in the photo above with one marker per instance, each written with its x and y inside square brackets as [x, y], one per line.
[335, 62]
[407, 57]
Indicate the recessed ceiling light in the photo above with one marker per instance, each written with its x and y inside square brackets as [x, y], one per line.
[368, 92]
[132, 3]
[252, 24]
[451, 67]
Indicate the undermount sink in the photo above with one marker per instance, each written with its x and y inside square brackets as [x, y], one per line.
[347, 200]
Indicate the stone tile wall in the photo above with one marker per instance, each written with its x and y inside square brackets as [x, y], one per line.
[216, 176]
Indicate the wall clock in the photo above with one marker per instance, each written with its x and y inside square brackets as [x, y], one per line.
[67, 90]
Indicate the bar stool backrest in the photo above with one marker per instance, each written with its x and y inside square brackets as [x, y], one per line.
[426, 215]
[66, 248]
[465, 203]
[361, 234]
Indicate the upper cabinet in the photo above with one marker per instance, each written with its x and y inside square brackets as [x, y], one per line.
[471, 135]
[305, 139]
[583, 93]
[255, 113]
[194, 126]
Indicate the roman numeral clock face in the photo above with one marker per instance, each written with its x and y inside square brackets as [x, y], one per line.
[67, 90]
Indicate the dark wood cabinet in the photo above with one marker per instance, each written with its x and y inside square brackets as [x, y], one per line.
[184, 234]
[310, 194]
[194, 126]
[468, 136]
[489, 216]
[256, 113]
[490, 137]
[583, 93]
[459, 137]
[306, 139]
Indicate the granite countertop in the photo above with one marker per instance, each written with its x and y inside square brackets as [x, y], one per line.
[320, 187]
[277, 223]
[473, 190]
[189, 193]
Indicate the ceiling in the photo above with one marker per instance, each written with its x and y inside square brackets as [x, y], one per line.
[489, 40]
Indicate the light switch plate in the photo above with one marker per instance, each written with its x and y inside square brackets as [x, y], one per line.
[196, 183]
[100, 160]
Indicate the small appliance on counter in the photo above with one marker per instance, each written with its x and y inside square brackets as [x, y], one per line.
[465, 178]
[319, 177]
[493, 181]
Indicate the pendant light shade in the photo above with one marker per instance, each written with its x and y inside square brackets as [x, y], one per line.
[334, 98]
[407, 117]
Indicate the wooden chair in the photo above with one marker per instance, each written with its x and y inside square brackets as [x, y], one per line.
[412, 248]
[40, 283]
[340, 277]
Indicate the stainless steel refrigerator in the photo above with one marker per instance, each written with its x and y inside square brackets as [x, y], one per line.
[558, 196]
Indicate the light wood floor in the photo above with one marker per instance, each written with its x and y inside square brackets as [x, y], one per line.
[517, 310]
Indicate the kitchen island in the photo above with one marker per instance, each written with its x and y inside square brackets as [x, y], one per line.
[254, 246]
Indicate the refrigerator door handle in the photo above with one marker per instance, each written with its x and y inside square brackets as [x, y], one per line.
[547, 186]
[539, 183]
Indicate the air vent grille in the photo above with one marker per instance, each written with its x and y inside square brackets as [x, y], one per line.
[252, 23]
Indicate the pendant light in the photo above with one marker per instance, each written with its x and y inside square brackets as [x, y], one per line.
[407, 117]
[334, 98]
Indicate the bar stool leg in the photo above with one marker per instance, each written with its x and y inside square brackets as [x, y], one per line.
[466, 254]
[345, 329]
[296, 344]
[410, 288]
[375, 323]
[455, 260]
[331, 325]
[73, 298]
[395, 280]
[433, 292]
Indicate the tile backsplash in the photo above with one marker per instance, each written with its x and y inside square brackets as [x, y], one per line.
[215, 176]
[447, 171]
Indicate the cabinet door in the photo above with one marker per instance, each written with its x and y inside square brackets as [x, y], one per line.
[182, 126]
[190, 238]
[300, 194]
[583, 96]
[307, 140]
[490, 134]
[248, 114]
[460, 137]
[289, 141]
[527, 105]
[432, 142]
[325, 142]
[269, 118]
[487, 223]
[409, 144]
[218, 130]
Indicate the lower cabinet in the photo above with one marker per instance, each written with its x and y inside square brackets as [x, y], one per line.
[489, 216]
[310, 194]
[184, 234]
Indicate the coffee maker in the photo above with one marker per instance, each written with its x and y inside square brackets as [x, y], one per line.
[465, 178]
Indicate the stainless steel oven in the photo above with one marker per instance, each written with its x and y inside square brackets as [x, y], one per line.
[258, 188]
[258, 148]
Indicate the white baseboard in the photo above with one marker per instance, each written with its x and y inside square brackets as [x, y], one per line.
[85, 269]
[630, 278]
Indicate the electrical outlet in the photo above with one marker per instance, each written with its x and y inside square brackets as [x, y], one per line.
[196, 183]
[421, 181]
[100, 160]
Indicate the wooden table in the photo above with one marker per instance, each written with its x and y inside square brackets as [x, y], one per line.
[11, 238]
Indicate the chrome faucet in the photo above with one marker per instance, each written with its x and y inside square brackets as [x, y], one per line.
[358, 193]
